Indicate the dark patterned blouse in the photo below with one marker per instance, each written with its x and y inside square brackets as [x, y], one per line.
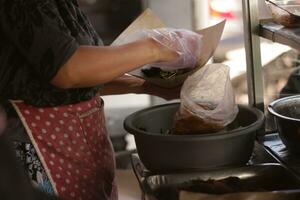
[36, 38]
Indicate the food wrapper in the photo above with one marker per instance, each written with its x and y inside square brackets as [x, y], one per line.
[207, 101]
[148, 20]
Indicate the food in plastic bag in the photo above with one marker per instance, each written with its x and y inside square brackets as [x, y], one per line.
[207, 101]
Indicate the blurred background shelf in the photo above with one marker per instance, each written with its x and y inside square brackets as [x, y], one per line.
[277, 33]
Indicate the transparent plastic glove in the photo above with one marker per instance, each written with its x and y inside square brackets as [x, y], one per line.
[187, 44]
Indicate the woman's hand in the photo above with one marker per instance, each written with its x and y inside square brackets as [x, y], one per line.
[176, 48]
[131, 84]
[187, 44]
[165, 93]
[125, 84]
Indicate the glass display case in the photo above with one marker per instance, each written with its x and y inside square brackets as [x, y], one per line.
[257, 29]
[268, 84]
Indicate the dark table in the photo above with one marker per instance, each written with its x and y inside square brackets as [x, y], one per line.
[273, 145]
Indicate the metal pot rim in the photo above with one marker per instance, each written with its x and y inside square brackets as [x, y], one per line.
[272, 105]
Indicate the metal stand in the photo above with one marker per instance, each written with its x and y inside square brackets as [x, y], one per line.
[252, 48]
[253, 58]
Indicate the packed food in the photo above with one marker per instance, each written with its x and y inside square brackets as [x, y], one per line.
[223, 186]
[231, 184]
[207, 102]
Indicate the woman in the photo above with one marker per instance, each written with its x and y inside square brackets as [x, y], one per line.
[13, 182]
[52, 60]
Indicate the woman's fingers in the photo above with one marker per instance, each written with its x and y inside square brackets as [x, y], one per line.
[185, 43]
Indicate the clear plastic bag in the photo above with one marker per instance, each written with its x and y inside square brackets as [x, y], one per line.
[187, 44]
[207, 101]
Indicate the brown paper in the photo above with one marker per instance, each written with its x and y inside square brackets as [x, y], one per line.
[148, 20]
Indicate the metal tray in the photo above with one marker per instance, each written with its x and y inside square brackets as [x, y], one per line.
[266, 177]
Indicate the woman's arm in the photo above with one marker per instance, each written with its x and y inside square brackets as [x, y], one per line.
[131, 84]
[90, 66]
[123, 85]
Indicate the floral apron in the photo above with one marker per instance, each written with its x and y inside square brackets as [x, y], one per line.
[74, 148]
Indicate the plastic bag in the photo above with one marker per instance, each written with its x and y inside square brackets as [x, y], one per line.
[187, 44]
[207, 101]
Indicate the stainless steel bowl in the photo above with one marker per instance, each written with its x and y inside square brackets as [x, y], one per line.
[286, 112]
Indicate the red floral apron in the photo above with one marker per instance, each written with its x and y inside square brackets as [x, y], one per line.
[73, 146]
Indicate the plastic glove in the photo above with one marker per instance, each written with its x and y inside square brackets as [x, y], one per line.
[187, 44]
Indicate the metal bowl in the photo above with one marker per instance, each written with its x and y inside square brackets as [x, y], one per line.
[286, 112]
[161, 152]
